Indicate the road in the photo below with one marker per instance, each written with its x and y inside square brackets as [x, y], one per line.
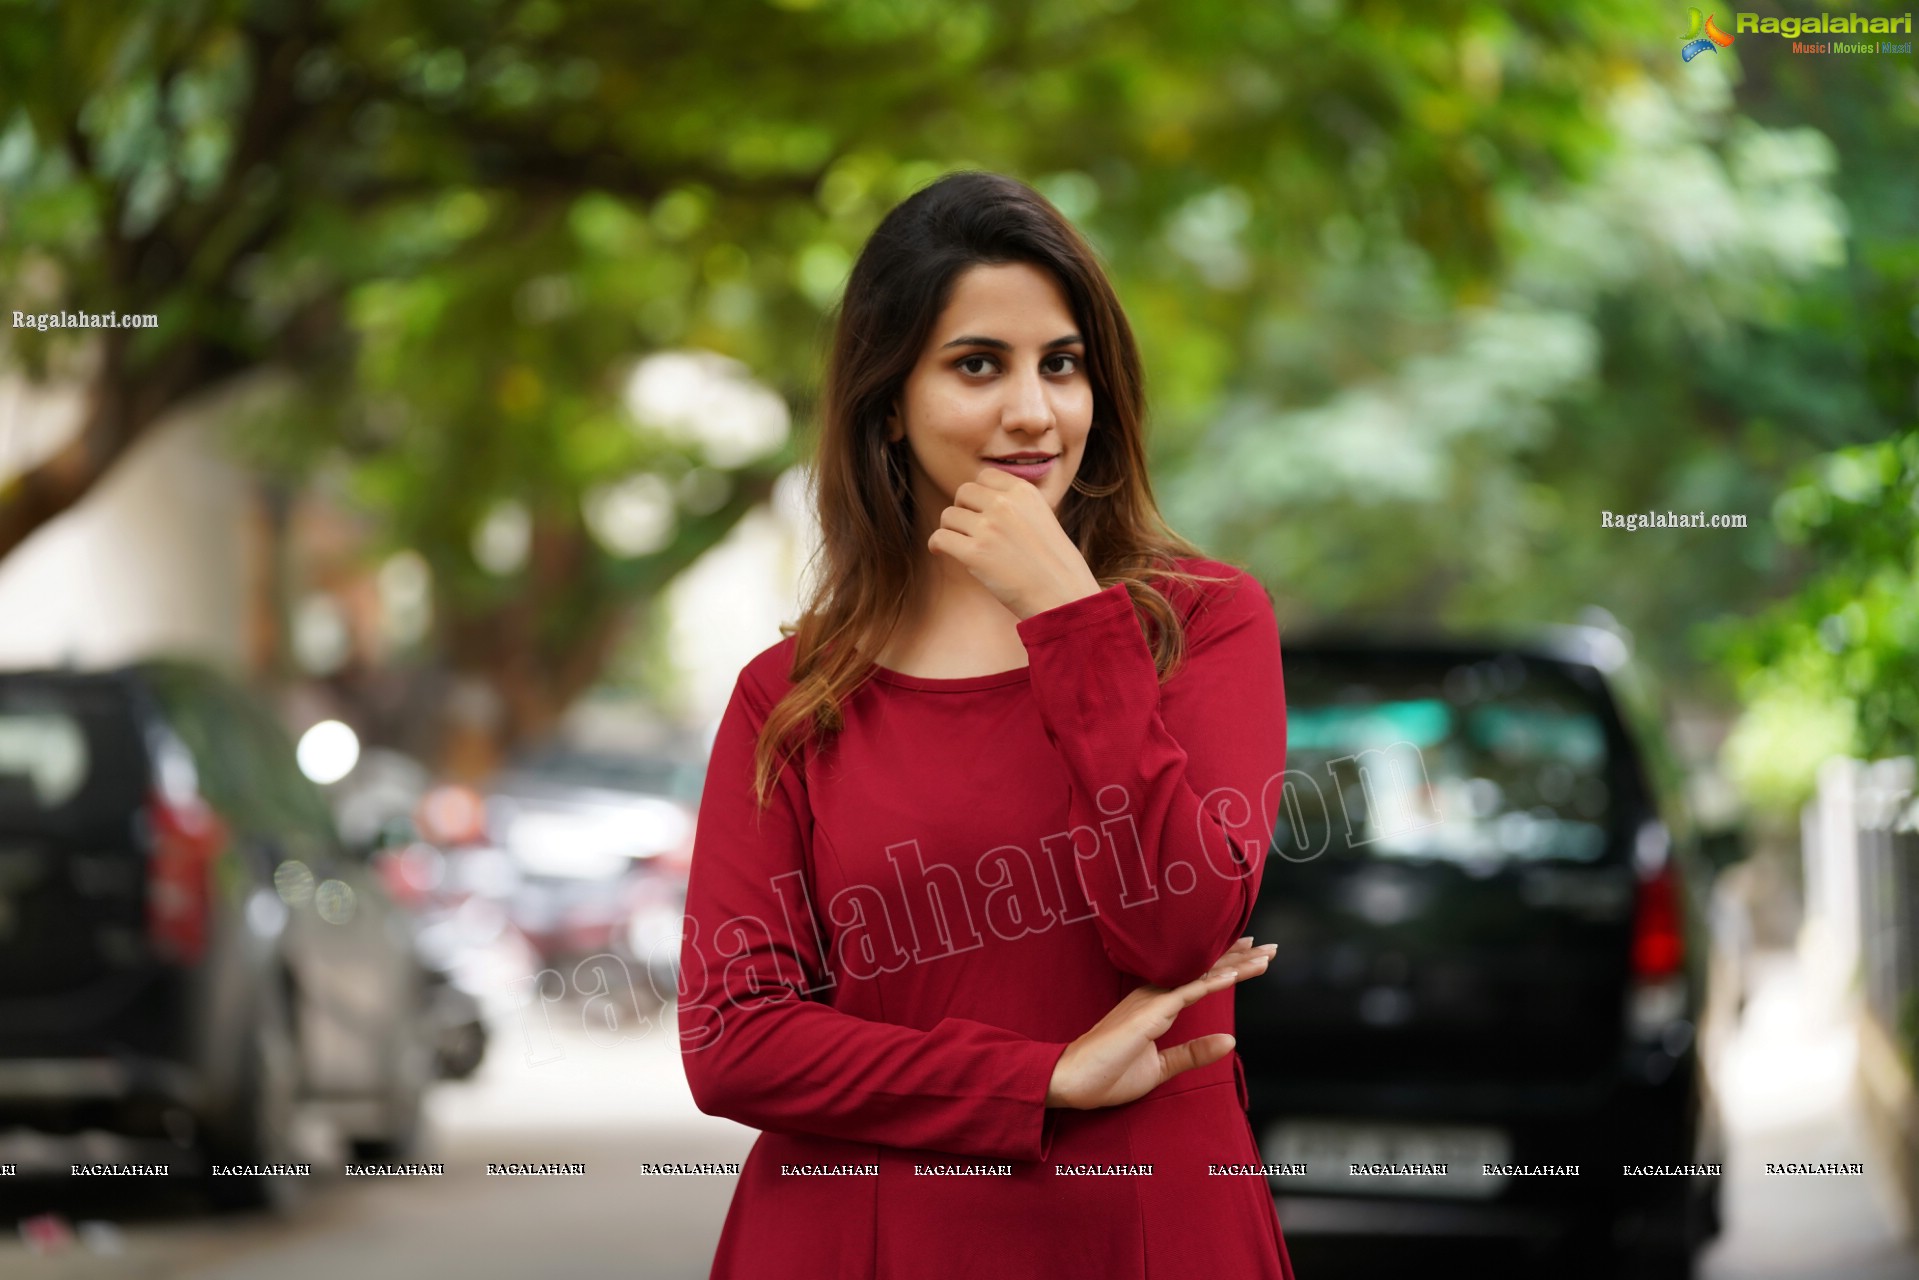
[566, 1094]
[561, 1096]
[1789, 1093]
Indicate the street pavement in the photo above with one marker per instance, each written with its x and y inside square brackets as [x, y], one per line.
[571, 1088]
[1789, 1092]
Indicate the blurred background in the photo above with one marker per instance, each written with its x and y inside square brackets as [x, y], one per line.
[460, 469]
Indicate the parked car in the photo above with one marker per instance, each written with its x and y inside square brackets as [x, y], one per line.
[602, 840]
[459, 893]
[1493, 950]
[378, 806]
[187, 948]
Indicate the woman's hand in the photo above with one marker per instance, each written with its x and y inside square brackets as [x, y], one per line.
[1118, 1061]
[1007, 535]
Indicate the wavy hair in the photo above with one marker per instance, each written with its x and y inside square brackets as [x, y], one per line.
[859, 486]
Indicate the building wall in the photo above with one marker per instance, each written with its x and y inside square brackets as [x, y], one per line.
[728, 606]
[154, 559]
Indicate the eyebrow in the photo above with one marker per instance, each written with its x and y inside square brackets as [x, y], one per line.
[972, 340]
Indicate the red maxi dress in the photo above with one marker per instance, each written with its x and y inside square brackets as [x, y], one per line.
[880, 970]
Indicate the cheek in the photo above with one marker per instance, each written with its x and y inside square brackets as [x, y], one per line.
[1081, 420]
[956, 422]
[1076, 407]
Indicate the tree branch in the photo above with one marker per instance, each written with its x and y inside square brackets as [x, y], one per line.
[120, 410]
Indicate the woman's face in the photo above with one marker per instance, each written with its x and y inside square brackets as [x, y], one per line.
[1003, 373]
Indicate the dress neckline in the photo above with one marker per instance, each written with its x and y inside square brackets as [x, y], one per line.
[951, 684]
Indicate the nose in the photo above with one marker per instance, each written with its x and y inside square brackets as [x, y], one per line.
[1030, 407]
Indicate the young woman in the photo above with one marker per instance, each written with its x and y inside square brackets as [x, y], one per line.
[980, 835]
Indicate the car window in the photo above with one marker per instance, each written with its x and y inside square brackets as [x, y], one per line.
[246, 762]
[68, 752]
[1515, 764]
[300, 809]
[44, 759]
[193, 711]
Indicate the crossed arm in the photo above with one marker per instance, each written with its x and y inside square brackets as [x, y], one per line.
[1157, 779]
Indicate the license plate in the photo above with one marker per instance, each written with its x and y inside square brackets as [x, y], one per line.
[1392, 1159]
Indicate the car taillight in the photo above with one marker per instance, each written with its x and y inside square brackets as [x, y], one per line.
[1658, 946]
[186, 836]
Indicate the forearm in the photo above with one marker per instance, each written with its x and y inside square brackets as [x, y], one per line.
[1174, 788]
[799, 1066]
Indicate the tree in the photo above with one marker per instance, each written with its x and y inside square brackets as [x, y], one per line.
[454, 227]
[1829, 666]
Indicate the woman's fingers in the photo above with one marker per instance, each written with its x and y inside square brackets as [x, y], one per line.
[1236, 963]
[1205, 1050]
[1240, 960]
[1158, 1011]
[1118, 1060]
[1233, 959]
[1239, 948]
[1201, 1051]
[1149, 1011]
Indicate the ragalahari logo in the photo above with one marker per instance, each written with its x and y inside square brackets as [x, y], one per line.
[1702, 35]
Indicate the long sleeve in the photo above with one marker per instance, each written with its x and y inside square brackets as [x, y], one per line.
[759, 1048]
[1175, 790]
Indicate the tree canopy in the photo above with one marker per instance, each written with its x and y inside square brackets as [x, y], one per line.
[1422, 288]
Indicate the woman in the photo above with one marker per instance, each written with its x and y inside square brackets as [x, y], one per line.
[979, 834]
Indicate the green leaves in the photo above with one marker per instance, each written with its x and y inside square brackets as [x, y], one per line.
[1849, 638]
[1422, 288]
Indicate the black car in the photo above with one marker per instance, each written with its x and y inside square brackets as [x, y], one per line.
[187, 950]
[1491, 918]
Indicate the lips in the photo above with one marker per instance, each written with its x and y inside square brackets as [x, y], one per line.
[1034, 470]
[1025, 458]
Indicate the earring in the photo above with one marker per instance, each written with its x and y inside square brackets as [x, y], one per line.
[1088, 489]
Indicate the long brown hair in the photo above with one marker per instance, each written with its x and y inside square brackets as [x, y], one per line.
[865, 563]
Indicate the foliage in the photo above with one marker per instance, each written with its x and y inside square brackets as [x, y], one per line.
[1843, 651]
[1422, 288]
[1842, 645]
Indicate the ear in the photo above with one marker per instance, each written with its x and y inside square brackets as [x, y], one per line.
[894, 432]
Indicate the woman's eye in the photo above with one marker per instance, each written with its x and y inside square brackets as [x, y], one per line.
[1060, 355]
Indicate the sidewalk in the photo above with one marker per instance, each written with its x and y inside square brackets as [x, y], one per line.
[1787, 1085]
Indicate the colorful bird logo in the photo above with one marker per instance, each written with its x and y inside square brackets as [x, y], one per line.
[1701, 36]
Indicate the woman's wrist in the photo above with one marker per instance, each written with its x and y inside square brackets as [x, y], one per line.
[1055, 1090]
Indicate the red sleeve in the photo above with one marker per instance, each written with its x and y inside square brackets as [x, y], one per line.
[759, 1044]
[1175, 788]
